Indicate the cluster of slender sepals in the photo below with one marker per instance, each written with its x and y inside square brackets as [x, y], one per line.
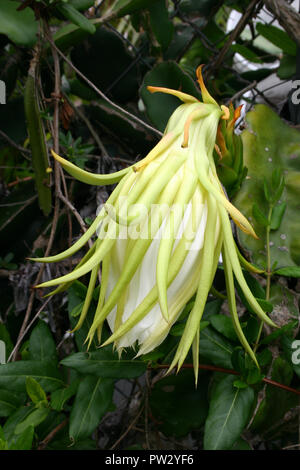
[179, 171]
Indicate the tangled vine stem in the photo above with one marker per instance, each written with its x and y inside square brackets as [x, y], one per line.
[229, 371]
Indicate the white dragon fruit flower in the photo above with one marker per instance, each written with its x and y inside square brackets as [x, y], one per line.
[175, 216]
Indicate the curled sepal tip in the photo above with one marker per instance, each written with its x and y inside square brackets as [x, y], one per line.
[206, 96]
[87, 177]
[179, 94]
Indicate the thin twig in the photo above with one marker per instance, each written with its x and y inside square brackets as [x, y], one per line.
[13, 144]
[128, 429]
[240, 93]
[233, 35]
[25, 204]
[51, 434]
[230, 371]
[25, 330]
[92, 131]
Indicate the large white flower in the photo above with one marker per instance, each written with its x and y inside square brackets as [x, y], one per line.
[160, 236]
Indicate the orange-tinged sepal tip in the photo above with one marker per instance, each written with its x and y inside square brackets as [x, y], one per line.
[179, 94]
[226, 112]
[207, 98]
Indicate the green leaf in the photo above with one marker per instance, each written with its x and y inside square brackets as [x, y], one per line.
[228, 415]
[61, 396]
[35, 391]
[17, 417]
[36, 417]
[265, 305]
[73, 15]
[82, 5]
[108, 77]
[223, 325]
[278, 37]
[277, 215]
[289, 271]
[202, 7]
[19, 26]
[215, 348]
[268, 414]
[160, 106]
[241, 444]
[13, 375]
[287, 67]
[9, 402]
[24, 440]
[246, 52]
[105, 363]
[259, 216]
[177, 406]
[92, 401]
[178, 328]
[161, 25]
[41, 343]
[126, 7]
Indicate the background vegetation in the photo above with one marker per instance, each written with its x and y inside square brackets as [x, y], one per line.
[76, 73]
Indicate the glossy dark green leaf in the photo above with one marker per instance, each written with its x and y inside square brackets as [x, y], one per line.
[41, 343]
[61, 396]
[215, 348]
[82, 4]
[161, 25]
[35, 391]
[9, 402]
[92, 401]
[17, 417]
[13, 375]
[287, 67]
[278, 37]
[19, 26]
[241, 444]
[73, 15]
[126, 7]
[177, 405]
[116, 78]
[36, 417]
[105, 363]
[229, 412]
[223, 325]
[246, 53]
[23, 440]
[268, 414]
[159, 106]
